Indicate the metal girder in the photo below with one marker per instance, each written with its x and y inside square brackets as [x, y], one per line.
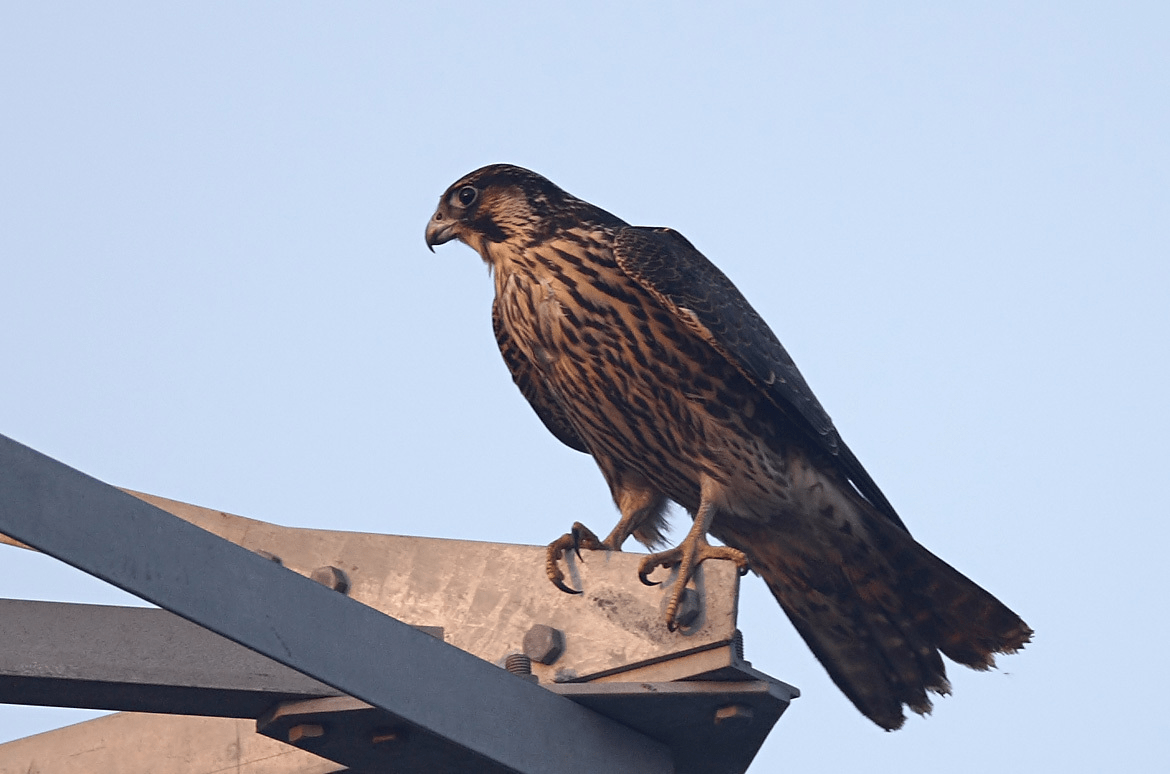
[488, 596]
[424, 684]
[138, 659]
[490, 600]
[134, 743]
[710, 727]
[142, 659]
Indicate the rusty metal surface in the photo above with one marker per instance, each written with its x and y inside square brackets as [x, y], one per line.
[488, 596]
[132, 743]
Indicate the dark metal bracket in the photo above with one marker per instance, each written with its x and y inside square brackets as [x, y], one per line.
[294, 628]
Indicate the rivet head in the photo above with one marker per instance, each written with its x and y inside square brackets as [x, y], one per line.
[305, 731]
[544, 644]
[390, 735]
[733, 715]
[332, 577]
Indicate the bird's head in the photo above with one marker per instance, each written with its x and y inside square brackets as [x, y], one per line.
[505, 203]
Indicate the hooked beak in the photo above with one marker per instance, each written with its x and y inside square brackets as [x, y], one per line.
[440, 230]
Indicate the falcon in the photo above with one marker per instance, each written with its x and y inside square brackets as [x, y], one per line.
[634, 348]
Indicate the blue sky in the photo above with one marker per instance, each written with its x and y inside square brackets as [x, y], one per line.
[214, 287]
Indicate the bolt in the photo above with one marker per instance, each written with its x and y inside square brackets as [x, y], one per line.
[305, 731]
[518, 664]
[733, 715]
[385, 735]
[332, 577]
[270, 557]
[521, 666]
[737, 646]
[689, 608]
[544, 644]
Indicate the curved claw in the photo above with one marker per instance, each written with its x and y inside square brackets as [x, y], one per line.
[577, 533]
[686, 556]
[560, 584]
[577, 538]
[652, 563]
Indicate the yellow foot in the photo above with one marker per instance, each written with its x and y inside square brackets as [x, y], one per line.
[687, 556]
[577, 538]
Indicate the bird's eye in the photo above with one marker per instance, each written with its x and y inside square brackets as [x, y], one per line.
[466, 195]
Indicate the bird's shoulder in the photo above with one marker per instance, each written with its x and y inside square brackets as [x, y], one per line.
[702, 298]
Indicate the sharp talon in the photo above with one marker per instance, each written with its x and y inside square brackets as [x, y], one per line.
[686, 557]
[561, 585]
[645, 570]
[576, 542]
[579, 536]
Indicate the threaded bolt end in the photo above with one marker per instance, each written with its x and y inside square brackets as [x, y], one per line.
[518, 664]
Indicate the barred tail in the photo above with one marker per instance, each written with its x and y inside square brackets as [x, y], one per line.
[877, 609]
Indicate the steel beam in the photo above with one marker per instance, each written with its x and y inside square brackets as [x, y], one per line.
[430, 686]
[143, 659]
[488, 596]
[137, 659]
[133, 743]
[711, 727]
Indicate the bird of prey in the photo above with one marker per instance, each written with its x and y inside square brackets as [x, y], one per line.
[634, 348]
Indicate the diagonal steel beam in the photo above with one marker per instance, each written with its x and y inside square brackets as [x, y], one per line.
[225, 588]
[150, 660]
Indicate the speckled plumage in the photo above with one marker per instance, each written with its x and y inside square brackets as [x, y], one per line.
[632, 347]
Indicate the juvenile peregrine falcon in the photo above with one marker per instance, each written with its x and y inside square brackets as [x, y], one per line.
[634, 348]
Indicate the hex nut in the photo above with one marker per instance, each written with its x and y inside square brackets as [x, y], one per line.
[332, 577]
[305, 731]
[734, 715]
[544, 644]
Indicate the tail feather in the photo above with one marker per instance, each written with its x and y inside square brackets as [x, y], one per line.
[876, 608]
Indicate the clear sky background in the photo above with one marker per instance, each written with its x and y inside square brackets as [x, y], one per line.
[214, 287]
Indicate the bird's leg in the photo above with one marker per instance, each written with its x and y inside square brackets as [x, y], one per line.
[576, 538]
[692, 551]
[641, 507]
